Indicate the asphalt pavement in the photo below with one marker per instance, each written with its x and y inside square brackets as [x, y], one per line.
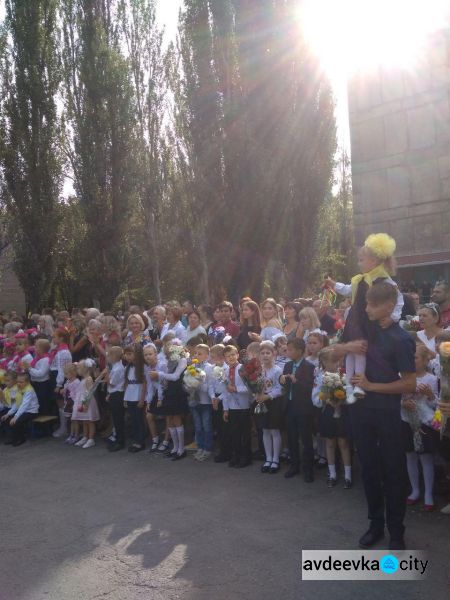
[87, 524]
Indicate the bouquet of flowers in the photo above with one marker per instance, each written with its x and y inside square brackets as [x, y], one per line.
[439, 421]
[192, 379]
[251, 374]
[177, 352]
[332, 391]
[219, 374]
[89, 394]
[193, 376]
[411, 323]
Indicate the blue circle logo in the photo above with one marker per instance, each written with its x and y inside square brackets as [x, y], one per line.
[389, 564]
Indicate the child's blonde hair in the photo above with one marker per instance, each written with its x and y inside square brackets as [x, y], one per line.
[310, 313]
[43, 344]
[70, 369]
[326, 354]
[254, 348]
[115, 352]
[204, 347]
[268, 345]
[217, 350]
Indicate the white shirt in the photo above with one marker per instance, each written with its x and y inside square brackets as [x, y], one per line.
[41, 370]
[29, 404]
[429, 343]
[425, 406]
[346, 290]
[216, 388]
[190, 333]
[152, 386]
[272, 385]
[241, 399]
[132, 390]
[116, 381]
[178, 329]
[62, 358]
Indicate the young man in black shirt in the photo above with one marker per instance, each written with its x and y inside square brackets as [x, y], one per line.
[376, 422]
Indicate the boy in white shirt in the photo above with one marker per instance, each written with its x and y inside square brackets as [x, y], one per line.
[18, 417]
[115, 376]
[236, 410]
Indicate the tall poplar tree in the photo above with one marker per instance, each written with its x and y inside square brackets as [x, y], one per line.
[100, 113]
[30, 157]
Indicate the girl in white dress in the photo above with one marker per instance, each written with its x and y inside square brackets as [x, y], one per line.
[85, 409]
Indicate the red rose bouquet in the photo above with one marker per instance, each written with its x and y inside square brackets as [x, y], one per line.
[251, 375]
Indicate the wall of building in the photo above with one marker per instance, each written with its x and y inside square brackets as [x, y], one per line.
[400, 146]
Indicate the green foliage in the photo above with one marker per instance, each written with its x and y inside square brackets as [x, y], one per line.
[30, 155]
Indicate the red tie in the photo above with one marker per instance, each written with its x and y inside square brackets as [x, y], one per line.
[232, 374]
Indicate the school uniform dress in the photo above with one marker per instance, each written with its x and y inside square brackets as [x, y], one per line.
[274, 418]
[40, 380]
[377, 429]
[116, 386]
[175, 398]
[425, 409]
[86, 412]
[238, 406]
[300, 413]
[330, 427]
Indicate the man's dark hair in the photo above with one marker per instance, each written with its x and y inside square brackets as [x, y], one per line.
[382, 292]
[298, 344]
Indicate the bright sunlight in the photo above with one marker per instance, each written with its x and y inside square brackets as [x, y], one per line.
[355, 35]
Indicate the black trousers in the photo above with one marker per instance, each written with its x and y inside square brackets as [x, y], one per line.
[44, 393]
[118, 415]
[18, 430]
[223, 432]
[240, 426]
[378, 437]
[301, 426]
[137, 423]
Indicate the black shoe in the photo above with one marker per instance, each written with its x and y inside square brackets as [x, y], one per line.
[347, 484]
[274, 468]
[331, 482]
[221, 458]
[233, 462]
[115, 447]
[179, 456]
[371, 537]
[19, 442]
[397, 544]
[292, 472]
[308, 477]
[266, 467]
[243, 463]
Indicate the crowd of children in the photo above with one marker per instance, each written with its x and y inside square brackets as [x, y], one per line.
[135, 382]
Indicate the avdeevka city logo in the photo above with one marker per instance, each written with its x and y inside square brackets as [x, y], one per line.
[389, 563]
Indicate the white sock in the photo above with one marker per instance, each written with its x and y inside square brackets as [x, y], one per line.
[332, 471]
[276, 441]
[174, 435]
[428, 476]
[348, 473]
[267, 441]
[180, 432]
[412, 462]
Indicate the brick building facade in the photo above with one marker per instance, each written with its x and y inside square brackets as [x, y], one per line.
[400, 143]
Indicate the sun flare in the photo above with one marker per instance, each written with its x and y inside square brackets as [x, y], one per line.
[355, 35]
